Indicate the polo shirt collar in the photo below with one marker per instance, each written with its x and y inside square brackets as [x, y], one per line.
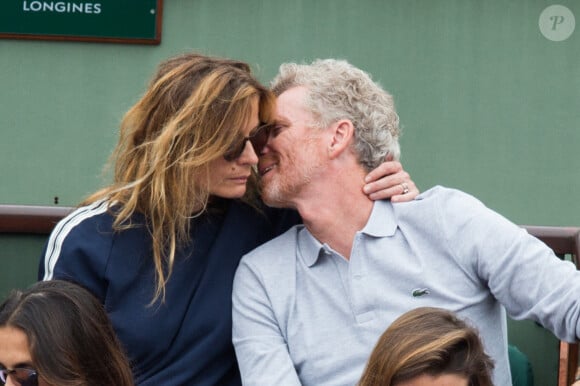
[381, 223]
[308, 247]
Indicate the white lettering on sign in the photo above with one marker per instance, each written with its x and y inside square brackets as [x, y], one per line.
[61, 7]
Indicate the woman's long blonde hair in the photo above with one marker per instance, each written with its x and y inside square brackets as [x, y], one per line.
[190, 115]
[428, 341]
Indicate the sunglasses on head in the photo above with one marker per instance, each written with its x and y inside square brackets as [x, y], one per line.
[22, 375]
[258, 138]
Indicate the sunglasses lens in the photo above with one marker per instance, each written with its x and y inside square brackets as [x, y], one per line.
[25, 377]
[32, 380]
[260, 139]
[235, 151]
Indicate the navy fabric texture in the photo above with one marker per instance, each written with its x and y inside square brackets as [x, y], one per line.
[185, 340]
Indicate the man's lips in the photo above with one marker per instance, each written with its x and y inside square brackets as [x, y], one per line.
[263, 169]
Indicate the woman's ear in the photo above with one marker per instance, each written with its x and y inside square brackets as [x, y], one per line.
[342, 136]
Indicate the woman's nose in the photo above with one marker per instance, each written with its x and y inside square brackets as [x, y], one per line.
[249, 155]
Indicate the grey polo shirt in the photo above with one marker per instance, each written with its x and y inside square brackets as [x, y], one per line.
[304, 315]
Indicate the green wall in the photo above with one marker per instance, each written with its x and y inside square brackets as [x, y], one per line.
[487, 103]
[19, 258]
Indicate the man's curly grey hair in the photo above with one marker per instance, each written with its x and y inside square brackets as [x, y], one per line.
[338, 90]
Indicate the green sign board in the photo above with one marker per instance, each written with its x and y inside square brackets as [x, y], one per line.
[117, 21]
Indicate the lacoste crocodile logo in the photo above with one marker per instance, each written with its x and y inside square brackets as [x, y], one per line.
[418, 292]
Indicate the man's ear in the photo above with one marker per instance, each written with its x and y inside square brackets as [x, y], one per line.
[342, 137]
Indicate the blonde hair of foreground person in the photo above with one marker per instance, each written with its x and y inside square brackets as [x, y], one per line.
[428, 341]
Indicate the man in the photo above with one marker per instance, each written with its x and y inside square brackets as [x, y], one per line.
[310, 305]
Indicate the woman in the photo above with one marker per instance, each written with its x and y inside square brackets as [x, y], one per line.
[428, 347]
[57, 334]
[160, 245]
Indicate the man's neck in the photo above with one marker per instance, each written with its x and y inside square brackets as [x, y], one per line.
[335, 212]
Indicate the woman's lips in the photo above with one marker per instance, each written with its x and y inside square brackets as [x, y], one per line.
[240, 179]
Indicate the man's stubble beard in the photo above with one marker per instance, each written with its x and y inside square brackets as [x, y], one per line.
[279, 192]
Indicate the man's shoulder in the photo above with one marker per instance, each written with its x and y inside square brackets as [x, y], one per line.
[273, 264]
[439, 206]
[280, 249]
[440, 191]
[441, 197]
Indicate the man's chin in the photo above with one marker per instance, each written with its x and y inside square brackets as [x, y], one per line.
[272, 197]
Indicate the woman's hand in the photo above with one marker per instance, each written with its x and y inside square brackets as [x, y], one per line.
[389, 180]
